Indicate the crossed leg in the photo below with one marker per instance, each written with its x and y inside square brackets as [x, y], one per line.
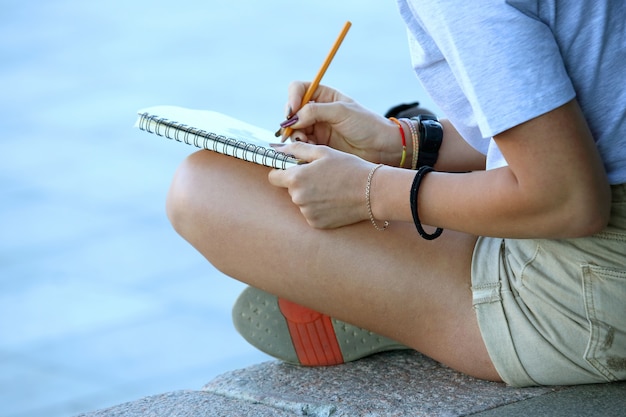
[393, 283]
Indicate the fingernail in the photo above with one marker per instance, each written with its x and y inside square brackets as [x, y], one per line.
[289, 122]
[278, 132]
[289, 112]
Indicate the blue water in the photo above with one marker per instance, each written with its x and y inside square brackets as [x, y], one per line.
[100, 301]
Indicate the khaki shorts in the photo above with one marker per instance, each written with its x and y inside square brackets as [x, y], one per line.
[553, 312]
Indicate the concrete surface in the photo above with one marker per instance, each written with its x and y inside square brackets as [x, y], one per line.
[389, 384]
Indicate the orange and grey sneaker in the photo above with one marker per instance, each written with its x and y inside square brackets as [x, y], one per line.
[299, 335]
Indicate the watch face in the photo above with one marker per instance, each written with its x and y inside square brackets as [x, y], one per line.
[433, 135]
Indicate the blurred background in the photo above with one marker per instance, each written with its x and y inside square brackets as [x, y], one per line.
[100, 301]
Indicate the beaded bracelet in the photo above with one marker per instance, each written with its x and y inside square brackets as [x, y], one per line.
[415, 139]
[368, 186]
[403, 137]
[421, 173]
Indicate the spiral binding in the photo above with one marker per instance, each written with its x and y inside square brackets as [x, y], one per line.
[213, 142]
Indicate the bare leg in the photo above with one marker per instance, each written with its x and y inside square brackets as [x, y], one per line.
[392, 283]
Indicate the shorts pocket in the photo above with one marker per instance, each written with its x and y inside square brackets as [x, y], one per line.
[605, 303]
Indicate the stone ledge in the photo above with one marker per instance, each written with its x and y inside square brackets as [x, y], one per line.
[188, 404]
[399, 383]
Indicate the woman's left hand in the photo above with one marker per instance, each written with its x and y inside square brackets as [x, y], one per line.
[329, 189]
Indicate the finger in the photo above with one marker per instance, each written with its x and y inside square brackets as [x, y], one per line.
[300, 150]
[279, 177]
[314, 112]
[295, 136]
[295, 93]
[304, 151]
[322, 94]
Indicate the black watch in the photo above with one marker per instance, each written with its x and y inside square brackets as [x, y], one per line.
[431, 136]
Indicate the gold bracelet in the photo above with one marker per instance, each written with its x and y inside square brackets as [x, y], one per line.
[367, 200]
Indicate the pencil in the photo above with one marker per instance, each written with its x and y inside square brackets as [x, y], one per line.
[316, 81]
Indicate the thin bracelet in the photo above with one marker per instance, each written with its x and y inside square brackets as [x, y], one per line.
[416, 141]
[421, 173]
[368, 186]
[403, 137]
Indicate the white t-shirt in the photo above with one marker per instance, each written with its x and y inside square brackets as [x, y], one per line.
[494, 64]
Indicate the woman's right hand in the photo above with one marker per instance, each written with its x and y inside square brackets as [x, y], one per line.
[339, 122]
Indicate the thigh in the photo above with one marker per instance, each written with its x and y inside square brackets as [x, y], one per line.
[393, 283]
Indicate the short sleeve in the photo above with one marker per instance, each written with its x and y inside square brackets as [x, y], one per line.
[504, 60]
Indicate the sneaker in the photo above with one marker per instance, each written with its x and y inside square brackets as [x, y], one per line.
[299, 335]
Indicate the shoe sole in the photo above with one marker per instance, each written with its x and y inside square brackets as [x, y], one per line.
[302, 336]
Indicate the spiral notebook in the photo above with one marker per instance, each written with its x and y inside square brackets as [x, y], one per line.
[216, 132]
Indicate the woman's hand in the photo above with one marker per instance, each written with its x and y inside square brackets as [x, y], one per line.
[337, 121]
[330, 189]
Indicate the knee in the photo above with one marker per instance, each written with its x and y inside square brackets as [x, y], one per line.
[179, 201]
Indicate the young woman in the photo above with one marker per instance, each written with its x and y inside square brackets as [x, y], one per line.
[520, 275]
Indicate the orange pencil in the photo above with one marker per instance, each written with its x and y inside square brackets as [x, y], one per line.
[316, 81]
